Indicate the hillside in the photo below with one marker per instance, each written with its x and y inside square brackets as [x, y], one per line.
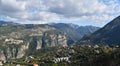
[109, 34]
[76, 55]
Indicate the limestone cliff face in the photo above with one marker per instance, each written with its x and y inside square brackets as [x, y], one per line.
[8, 53]
[12, 52]
[51, 40]
[24, 40]
[22, 50]
[2, 56]
[39, 44]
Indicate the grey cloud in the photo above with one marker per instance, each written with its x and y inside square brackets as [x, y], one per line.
[10, 8]
[93, 10]
[74, 8]
[50, 10]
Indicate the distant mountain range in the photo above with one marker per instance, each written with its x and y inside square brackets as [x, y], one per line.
[74, 31]
[7, 23]
[109, 34]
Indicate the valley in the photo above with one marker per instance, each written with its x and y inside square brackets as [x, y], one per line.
[59, 44]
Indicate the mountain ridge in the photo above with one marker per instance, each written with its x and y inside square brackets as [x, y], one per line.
[109, 34]
[8, 23]
[74, 31]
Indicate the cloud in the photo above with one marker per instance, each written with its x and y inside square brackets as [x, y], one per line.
[75, 8]
[43, 16]
[44, 11]
[12, 8]
[94, 10]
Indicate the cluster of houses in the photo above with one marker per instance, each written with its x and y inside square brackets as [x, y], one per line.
[61, 59]
[56, 60]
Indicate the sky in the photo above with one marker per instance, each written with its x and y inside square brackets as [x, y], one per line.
[81, 12]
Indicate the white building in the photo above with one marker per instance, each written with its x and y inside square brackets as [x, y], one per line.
[56, 60]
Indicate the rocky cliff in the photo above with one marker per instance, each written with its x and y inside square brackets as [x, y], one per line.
[18, 41]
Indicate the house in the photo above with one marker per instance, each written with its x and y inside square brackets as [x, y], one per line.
[97, 51]
[29, 58]
[57, 60]
[96, 46]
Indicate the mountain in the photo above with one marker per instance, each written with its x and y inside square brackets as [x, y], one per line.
[76, 32]
[84, 30]
[17, 41]
[109, 34]
[7, 23]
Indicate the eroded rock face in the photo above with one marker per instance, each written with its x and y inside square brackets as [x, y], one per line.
[55, 40]
[22, 50]
[8, 53]
[62, 40]
[24, 41]
[39, 44]
[2, 56]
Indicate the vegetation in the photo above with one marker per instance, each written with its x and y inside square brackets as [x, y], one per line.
[79, 55]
